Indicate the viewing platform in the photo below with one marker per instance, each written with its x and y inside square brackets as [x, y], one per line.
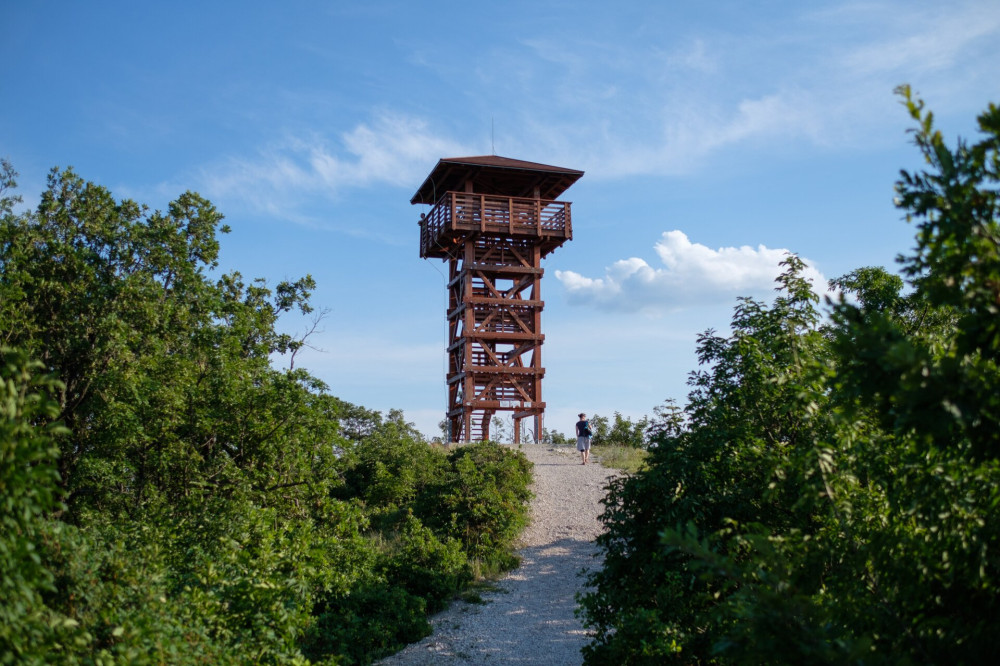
[544, 222]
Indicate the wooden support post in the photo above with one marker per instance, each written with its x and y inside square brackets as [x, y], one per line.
[491, 223]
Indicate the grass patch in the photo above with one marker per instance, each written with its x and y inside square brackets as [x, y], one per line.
[474, 591]
[494, 569]
[625, 458]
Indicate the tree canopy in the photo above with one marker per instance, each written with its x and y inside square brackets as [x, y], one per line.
[830, 493]
[170, 495]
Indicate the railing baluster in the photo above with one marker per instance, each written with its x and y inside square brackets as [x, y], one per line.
[458, 211]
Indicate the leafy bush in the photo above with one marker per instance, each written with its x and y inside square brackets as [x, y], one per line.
[482, 502]
[175, 498]
[426, 567]
[716, 476]
[388, 469]
[374, 620]
[831, 493]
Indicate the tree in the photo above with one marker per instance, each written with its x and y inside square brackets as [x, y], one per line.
[833, 496]
[667, 421]
[620, 431]
[600, 427]
[169, 495]
[556, 438]
[711, 481]
[29, 488]
[930, 380]
[166, 374]
[503, 429]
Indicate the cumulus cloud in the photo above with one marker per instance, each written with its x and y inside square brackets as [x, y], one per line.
[691, 274]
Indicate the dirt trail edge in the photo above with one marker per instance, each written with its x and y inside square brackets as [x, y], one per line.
[529, 618]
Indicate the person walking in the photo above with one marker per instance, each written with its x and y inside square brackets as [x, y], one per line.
[583, 435]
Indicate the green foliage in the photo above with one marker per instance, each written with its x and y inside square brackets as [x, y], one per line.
[174, 497]
[28, 492]
[233, 584]
[482, 502]
[619, 432]
[167, 382]
[374, 621]
[830, 494]
[715, 475]
[8, 182]
[556, 438]
[389, 469]
[441, 517]
[930, 379]
[425, 566]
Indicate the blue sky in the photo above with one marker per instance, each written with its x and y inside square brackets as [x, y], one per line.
[715, 136]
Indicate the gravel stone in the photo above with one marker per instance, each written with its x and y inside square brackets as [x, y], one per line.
[529, 618]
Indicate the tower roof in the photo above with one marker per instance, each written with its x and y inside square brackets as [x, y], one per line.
[491, 174]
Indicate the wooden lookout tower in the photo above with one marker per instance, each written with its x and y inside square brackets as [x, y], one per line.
[493, 219]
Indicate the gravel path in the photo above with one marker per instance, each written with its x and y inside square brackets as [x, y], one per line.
[529, 618]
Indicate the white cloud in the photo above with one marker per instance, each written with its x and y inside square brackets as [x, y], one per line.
[813, 78]
[917, 41]
[391, 149]
[692, 275]
[394, 149]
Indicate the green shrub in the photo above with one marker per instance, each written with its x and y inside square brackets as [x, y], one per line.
[231, 583]
[482, 501]
[202, 506]
[834, 493]
[114, 588]
[426, 567]
[387, 470]
[372, 621]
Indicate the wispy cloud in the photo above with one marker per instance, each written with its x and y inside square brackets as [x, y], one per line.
[619, 107]
[815, 79]
[391, 149]
[691, 275]
[918, 41]
[691, 134]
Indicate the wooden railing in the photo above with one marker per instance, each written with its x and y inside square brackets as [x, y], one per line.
[513, 216]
